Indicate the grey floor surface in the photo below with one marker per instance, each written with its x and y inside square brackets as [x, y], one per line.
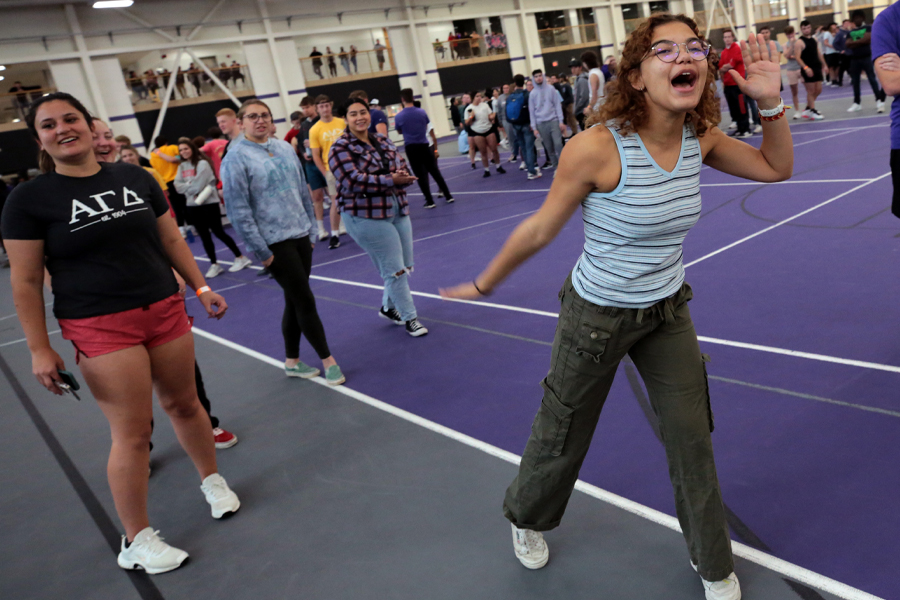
[339, 501]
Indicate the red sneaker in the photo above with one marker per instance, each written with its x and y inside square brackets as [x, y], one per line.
[224, 439]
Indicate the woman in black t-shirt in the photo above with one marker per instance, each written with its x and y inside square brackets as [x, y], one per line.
[109, 244]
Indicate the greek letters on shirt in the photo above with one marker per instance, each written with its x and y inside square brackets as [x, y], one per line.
[98, 209]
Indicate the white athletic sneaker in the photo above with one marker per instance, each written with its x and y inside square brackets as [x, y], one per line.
[854, 108]
[219, 495]
[530, 547]
[150, 553]
[342, 230]
[815, 115]
[214, 270]
[727, 589]
[182, 231]
[241, 262]
[522, 166]
[537, 175]
[733, 125]
[758, 128]
[879, 106]
[797, 115]
[323, 235]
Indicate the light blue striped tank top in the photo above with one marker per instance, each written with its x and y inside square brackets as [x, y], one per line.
[633, 235]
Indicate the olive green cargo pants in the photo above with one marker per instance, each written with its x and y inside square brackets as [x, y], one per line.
[589, 343]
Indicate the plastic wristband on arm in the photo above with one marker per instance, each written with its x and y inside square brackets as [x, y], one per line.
[205, 288]
[772, 114]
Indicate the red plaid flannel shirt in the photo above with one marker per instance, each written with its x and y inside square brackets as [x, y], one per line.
[362, 192]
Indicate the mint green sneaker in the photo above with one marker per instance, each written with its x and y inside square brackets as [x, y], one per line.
[301, 370]
[334, 376]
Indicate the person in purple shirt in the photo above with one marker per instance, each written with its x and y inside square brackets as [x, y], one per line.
[413, 122]
[886, 53]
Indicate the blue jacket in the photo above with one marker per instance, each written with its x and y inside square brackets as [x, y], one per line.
[266, 197]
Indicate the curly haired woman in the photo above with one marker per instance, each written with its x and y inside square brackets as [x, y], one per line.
[636, 176]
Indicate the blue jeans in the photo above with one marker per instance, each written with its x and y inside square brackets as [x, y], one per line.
[513, 138]
[389, 244]
[525, 139]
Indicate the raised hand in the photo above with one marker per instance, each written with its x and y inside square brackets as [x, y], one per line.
[763, 79]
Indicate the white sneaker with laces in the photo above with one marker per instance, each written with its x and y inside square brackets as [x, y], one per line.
[241, 262]
[815, 115]
[214, 270]
[733, 125]
[797, 115]
[530, 547]
[727, 589]
[854, 108]
[323, 235]
[522, 166]
[758, 128]
[219, 495]
[879, 106]
[149, 553]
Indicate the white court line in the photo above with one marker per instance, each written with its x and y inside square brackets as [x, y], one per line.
[20, 340]
[795, 572]
[431, 237]
[788, 220]
[16, 314]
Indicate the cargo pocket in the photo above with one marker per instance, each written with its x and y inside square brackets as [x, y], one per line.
[551, 425]
[592, 343]
[712, 422]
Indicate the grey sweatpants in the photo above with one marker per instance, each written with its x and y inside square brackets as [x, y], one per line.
[551, 139]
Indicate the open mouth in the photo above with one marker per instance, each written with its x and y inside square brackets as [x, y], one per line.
[68, 140]
[684, 80]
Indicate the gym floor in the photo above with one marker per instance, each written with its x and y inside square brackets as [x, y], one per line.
[391, 486]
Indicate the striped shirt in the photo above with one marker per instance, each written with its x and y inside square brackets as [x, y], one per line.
[633, 235]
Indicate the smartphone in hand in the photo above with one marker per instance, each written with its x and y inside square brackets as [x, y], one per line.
[68, 384]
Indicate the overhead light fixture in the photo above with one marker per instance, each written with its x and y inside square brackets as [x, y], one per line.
[2, 67]
[16, 120]
[2, 77]
[113, 3]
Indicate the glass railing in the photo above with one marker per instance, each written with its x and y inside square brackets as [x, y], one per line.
[14, 105]
[346, 65]
[557, 37]
[817, 7]
[632, 24]
[860, 3]
[770, 11]
[718, 20]
[467, 48]
[149, 87]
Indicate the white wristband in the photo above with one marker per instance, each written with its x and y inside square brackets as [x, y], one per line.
[772, 112]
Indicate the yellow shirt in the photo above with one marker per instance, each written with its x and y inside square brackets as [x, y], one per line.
[159, 178]
[322, 135]
[165, 168]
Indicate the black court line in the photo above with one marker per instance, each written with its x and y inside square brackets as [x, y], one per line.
[145, 588]
[737, 525]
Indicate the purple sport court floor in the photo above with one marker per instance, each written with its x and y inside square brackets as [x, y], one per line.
[794, 298]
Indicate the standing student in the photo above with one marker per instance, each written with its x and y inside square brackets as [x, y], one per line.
[731, 59]
[582, 88]
[195, 178]
[481, 121]
[812, 63]
[314, 178]
[545, 107]
[885, 49]
[165, 160]
[316, 57]
[269, 205]
[517, 114]
[379, 54]
[345, 60]
[321, 137]
[117, 301]
[636, 179]
[792, 68]
[332, 66]
[412, 124]
[379, 120]
[832, 56]
[859, 40]
[353, 53]
[373, 177]
[596, 79]
[214, 149]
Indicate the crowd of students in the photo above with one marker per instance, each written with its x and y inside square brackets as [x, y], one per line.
[103, 228]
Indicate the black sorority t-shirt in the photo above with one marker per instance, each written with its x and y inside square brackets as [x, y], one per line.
[101, 239]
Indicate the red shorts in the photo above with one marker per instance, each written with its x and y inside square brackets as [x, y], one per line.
[148, 326]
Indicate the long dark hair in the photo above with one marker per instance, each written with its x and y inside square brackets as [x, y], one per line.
[196, 154]
[45, 161]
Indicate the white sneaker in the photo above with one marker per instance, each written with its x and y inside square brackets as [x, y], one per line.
[879, 106]
[219, 495]
[727, 589]
[537, 175]
[815, 115]
[323, 235]
[241, 262]
[854, 108]
[733, 125]
[342, 230]
[530, 547]
[149, 553]
[797, 114]
[758, 128]
[214, 271]
[522, 166]
[183, 231]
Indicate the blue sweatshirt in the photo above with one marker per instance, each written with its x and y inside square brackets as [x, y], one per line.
[266, 197]
[544, 104]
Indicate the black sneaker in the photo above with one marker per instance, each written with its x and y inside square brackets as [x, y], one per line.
[486, 173]
[449, 199]
[391, 314]
[500, 169]
[264, 273]
[430, 204]
[547, 165]
[334, 243]
[473, 166]
[415, 329]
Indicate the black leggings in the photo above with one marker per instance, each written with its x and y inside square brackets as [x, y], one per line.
[422, 162]
[291, 268]
[206, 219]
[895, 178]
[178, 202]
